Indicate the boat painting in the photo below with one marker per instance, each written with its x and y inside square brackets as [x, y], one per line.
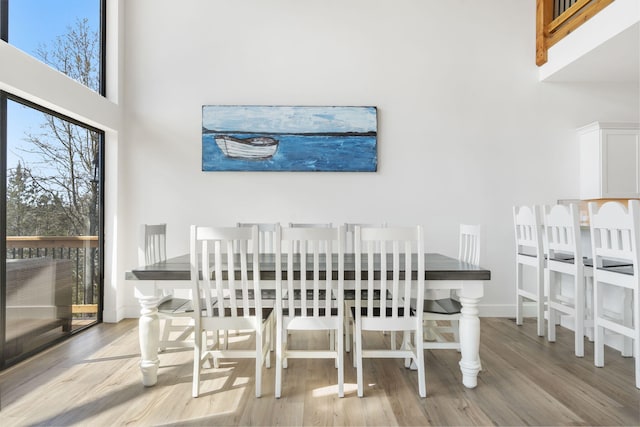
[255, 148]
[289, 138]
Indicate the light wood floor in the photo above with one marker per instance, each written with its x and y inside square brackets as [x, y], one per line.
[93, 380]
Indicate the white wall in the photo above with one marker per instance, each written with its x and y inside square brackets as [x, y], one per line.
[465, 129]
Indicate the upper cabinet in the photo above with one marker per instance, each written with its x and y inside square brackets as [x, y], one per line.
[609, 160]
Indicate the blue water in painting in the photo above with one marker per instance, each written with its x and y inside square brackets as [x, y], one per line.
[299, 153]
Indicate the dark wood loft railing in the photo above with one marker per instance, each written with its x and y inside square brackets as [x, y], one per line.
[555, 19]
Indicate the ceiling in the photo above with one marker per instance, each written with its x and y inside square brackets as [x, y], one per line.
[616, 60]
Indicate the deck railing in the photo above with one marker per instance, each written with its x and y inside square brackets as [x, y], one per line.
[555, 19]
[81, 250]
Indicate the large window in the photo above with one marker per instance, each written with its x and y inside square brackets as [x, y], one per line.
[51, 265]
[64, 34]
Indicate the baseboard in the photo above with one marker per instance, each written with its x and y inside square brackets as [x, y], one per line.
[113, 316]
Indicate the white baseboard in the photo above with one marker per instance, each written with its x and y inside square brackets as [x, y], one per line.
[113, 316]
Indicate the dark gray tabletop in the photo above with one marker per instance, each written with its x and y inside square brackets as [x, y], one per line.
[437, 267]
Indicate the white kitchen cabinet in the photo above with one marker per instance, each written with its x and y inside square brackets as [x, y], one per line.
[609, 160]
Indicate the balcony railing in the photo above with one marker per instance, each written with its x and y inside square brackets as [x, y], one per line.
[80, 250]
[555, 19]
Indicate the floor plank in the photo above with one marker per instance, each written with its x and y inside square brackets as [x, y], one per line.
[93, 379]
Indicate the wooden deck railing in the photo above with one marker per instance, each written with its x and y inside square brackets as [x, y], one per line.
[555, 19]
[61, 247]
[42, 242]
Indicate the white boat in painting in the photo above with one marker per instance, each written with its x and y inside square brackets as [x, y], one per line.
[256, 148]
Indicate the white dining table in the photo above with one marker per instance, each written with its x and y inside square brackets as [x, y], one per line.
[441, 273]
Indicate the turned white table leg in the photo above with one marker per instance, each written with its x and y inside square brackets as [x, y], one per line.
[470, 334]
[149, 331]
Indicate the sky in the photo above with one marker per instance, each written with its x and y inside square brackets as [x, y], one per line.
[32, 23]
[288, 119]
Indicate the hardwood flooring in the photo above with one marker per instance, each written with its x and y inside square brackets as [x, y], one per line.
[93, 380]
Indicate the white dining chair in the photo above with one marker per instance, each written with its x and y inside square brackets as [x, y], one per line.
[266, 245]
[615, 234]
[349, 294]
[529, 252]
[564, 258]
[232, 271]
[448, 309]
[174, 312]
[401, 251]
[307, 303]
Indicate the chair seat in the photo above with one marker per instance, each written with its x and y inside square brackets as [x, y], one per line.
[266, 312]
[622, 269]
[442, 306]
[175, 305]
[377, 312]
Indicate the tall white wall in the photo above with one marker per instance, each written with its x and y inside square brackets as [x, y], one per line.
[465, 129]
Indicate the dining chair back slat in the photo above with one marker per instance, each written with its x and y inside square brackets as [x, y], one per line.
[266, 235]
[469, 244]
[153, 247]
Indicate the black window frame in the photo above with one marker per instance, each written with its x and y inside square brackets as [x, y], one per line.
[4, 98]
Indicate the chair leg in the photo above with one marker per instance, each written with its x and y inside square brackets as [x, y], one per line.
[540, 303]
[627, 342]
[429, 334]
[456, 332]
[598, 331]
[340, 360]
[165, 332]
[279, 360]
[579, 316]
[353, 344]
[259, 339]
[197, 344]
[285, 338]
[358, 359]
[347, 320]
[518, 297]
[419, 340]
[216, 344]
[551, 321]
[406, 344]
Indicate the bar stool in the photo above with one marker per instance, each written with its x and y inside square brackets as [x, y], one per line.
[529, 252]
[562, 231]
[615, 234]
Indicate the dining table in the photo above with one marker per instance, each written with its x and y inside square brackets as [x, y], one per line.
[442, 272]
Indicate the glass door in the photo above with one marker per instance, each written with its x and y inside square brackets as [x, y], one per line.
[52, 284]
